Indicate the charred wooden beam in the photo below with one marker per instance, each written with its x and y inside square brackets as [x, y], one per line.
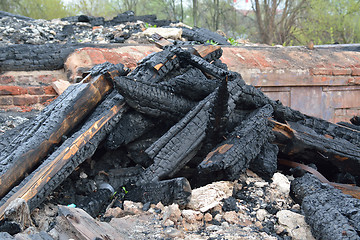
[76, 149]
[233, 155]
[301, 142]
[177, 190]
[265, 164]
[192, 84]
[46, 130]
[176, 147]
[152, 100]
[330, 213]
[131, 126]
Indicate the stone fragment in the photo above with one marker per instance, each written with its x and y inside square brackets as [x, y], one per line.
[172, 33]
[132, 208]
[261, 214]
[295, 224]
[60, 86]
[18, 211]
[231, 217]
[281, 184]
[208, 217]
[209, 196]
[192, 216]
[172, 213]
[114, 212]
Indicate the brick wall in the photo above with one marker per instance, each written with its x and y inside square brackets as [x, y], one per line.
[24, 91]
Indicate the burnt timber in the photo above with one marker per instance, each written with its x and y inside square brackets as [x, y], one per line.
[254, 127]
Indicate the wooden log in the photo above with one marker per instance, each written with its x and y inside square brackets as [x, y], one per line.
[233, 156]
[177, 147]
[330, 213]
[34, 142]
[152, 100]
[303, 143]
[76, 149]
[177, 190]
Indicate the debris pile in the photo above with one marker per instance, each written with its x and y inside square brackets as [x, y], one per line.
[179, 121]
[124, 28]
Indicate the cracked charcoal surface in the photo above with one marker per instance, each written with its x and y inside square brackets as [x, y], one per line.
[330, 213]
[152, 100]
[233, 155]
[81, 155]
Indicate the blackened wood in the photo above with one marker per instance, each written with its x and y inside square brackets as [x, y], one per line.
[76, 149]
[355, 120]
[136, 151]
[152, 100]
[154, 67]
[176, 147]
[131, 126]
[233, 155]
[198, 62]
[177, 190]
[124, 176]
[94, 203]
[265, 164]
[301, 142]
[203, 35]
[330, 213]
[192, 84]
[81, 225]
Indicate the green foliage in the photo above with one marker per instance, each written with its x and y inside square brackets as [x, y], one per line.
[147, 25]
[212, 42]
[233, 42]
[45, 9]
[124, 189]
[329, 21]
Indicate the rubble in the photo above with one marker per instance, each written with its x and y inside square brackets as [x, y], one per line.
[188, 142]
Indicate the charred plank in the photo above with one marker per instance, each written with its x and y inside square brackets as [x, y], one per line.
[330, 213]
[131, 126]
[176, 148]
[301, 142]
[265, 164]
[76, 149]
[192, 84]
[152, 100]
[177, 190]
[233, 155]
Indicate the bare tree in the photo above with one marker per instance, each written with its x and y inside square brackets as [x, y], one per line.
[277, 19]
[194, 11]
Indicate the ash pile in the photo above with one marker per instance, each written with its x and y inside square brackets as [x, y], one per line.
[177, 122]
[124, 28]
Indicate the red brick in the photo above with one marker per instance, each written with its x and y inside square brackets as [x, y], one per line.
[6, 79]
[49, 90]
[12, 90]
[46, 99]
[47, 79]
[96, 56]
[353, 112]
[36, 90]
[355, 71]
[25, 100]
[341, 71]
[354, 81]
[112, 57]
[6, 100]
[321, 71]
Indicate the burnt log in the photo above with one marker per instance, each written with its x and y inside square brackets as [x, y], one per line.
[180, 144]
[152, 100]
[177, 190]
[330, 213]
[303, 143]
[203, 35]
[265, 164]
[76, 149]
[131, 126]
[233, 156]
[46, 130]
[192, 84]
